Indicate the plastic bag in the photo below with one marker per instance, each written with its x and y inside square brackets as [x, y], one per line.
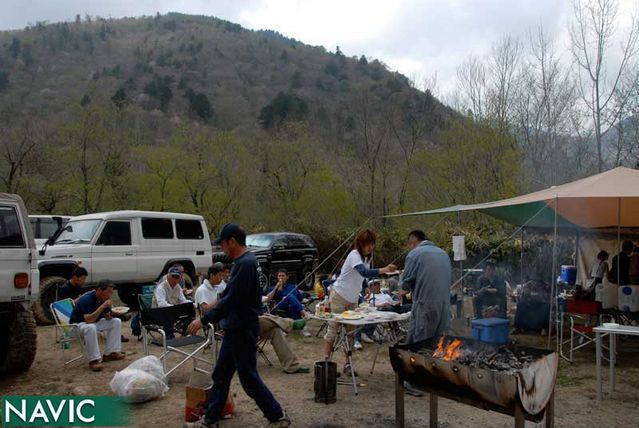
[137, 386]
[151, 365]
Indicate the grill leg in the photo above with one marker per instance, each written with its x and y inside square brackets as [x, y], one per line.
[433, 411]
[520, 419]
[399, 402]
[550, 411]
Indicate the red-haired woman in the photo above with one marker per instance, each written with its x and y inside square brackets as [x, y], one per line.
[346, 290]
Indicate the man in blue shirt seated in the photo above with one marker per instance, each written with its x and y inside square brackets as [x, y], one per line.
[287, 296]
[93, 314]
[74, 287]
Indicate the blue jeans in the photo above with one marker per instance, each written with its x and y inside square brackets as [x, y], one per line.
[292, 306]
[239, 352]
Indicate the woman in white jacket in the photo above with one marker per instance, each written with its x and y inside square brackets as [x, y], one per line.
[346, 290]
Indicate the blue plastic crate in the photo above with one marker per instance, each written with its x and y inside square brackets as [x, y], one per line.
[491, 330]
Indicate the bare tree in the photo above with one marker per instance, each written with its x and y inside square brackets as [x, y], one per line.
[503, 68]
[471, 79]
[18, 144]
[542, 109]
[591, 36]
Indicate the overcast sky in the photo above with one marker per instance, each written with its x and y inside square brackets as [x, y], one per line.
[416, 38]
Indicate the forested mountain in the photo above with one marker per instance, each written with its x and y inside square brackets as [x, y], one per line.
[196, 114]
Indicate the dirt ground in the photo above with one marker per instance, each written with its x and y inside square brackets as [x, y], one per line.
[576, 402]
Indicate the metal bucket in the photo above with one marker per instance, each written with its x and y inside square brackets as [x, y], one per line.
[325, 386]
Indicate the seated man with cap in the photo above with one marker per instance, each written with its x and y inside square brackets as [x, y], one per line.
[169, 293]
[490, 293]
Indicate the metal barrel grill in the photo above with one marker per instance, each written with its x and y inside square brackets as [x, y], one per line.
[465, 370]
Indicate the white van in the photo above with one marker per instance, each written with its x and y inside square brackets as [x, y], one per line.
[130, 248]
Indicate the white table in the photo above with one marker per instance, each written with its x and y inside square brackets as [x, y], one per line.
[346, 330]
[611, 332]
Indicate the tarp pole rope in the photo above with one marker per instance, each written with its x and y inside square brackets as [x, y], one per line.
[310, 275]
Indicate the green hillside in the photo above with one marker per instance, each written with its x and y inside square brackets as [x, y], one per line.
[197, 114]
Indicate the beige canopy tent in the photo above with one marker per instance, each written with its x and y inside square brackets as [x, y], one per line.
[598, 208]
[605, 201]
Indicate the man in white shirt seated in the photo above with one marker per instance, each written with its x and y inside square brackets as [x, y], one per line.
[169, 293]
[378, 299]
[208, 294]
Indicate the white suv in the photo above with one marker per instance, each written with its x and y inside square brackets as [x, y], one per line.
[130, 248]
[18, 274]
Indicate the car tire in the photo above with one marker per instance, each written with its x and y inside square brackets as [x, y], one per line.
[128, 294]
[48, 294]
[18, 341]
[306, 272]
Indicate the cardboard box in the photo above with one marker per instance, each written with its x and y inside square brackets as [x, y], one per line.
[198, 392]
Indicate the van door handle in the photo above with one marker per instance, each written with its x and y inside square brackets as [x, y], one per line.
[128, 254]
[199, 253]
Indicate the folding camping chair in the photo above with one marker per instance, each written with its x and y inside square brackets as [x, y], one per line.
[261, 343]
[584, 316]
[152, 319]
[65, 331]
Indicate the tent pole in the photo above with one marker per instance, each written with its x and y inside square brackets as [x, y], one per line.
[552, 278]
[461, 269]
[618, 278]
[521, 259]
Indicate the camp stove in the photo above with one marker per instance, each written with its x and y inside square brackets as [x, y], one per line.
[513, 380]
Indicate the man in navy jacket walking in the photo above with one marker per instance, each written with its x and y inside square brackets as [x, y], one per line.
[237, 312]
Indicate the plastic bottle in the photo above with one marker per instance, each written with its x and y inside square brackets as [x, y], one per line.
[65, 340]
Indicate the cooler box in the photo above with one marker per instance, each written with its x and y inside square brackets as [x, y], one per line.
[491, 330]
[568, 274]
[628, 296]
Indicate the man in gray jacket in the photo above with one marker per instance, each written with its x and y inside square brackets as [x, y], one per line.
[427, 275]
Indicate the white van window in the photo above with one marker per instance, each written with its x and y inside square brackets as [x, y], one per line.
[77, 232]
[10, 233]
[115, 233]
[189, 229]
[157, 228]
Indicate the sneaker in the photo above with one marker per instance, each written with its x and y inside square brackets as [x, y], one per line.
[202, 423]
[366, 338]
[306, 333]
[282, 422]
[347, 370]
[411, 390]
[300, 369]
[357, 346]
[95, 366]
[113, 356]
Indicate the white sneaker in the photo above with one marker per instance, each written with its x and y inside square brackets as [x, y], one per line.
[366, 338]
[357, 346]
[306, 333]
